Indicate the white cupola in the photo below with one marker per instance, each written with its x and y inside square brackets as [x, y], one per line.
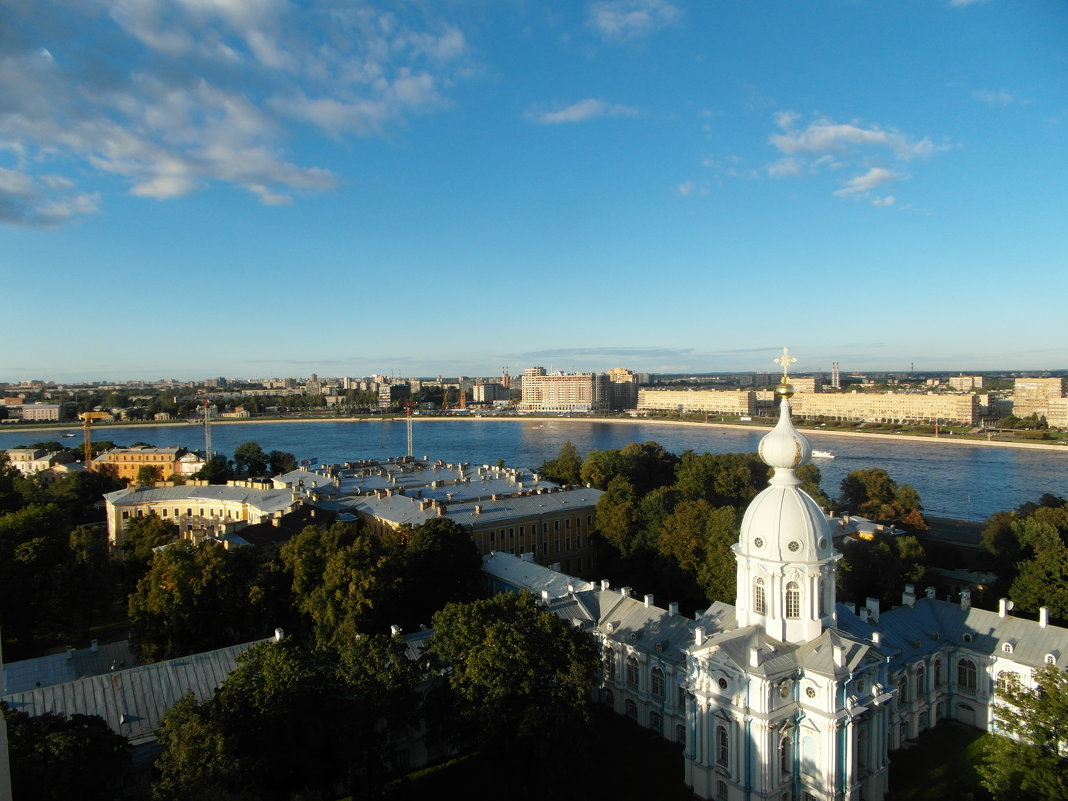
[785, 559]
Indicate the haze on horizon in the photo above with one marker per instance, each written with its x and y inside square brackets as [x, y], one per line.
[252, 189]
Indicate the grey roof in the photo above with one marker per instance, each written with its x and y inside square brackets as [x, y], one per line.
[75, 663]
[267, 500]
[911, 632]
[524, 573]
[133, 701]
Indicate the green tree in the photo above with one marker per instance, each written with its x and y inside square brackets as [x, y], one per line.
[33, 554]
[440, 565]
[193, 598]
[148, 475]
[216, 470]
[142, 535]
[281, 462]
[1026, 759]
[875, 495]
[250, 459]
[514, 673]
[54, 758]
[1042, 578]
[722, 479]
[617, 517]
[566, 468]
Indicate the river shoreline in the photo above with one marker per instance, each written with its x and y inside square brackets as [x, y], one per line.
[948, 440]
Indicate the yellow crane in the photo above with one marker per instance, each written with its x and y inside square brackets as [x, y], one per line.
[87, 419]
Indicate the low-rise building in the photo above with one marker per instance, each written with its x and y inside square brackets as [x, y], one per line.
[126, 462]
[200, 510]
[890, 407]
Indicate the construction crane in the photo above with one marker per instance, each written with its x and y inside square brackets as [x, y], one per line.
[87, 419]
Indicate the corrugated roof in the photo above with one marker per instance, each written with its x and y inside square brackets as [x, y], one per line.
[44, 671]
[133, 701]
[265, 500]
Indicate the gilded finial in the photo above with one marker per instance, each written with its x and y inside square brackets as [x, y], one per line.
[784, 388]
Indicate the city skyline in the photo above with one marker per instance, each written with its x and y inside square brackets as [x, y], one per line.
[273, 188]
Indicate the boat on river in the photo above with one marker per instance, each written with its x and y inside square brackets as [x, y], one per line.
[822, 454]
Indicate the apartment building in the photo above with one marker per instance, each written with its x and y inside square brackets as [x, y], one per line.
[683, 401]
[1033, 395]
[584, 393]
[890, 407]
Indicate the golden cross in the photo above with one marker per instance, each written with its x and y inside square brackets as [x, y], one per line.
[785, 360]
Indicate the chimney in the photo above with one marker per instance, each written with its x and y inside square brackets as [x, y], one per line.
[864, 613]
[1043, 616]
[478, 508]
[70, 652]
[604, 584]
[545, 595]
[624, 591]
[394, 630]
[965, 599]
[94, 646]
[838, 655]
[570, 587]
[278, 634]
[876, 637]
[873, 609]
[754, 657]
[698, 636]
[908, 597]
[1004, 607]
[673, 608]
[930, 592]
[648, 600]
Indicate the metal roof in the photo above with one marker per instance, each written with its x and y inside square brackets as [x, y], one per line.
[74, 663]
[133, 701]
[267, 500]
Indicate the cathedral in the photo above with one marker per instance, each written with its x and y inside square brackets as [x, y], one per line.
[788, 695]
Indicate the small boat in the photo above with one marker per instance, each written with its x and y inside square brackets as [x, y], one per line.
[822, 455]
[70, 435]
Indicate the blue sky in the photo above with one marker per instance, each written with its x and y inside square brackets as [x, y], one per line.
[256, 188]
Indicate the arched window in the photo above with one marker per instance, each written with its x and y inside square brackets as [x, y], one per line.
[1006, 681]
[722, 746]
[793, 600]
[609, 665]
[902, 689]
[632, 673]
[631, 709]
[680, 733]
[938, 673]
[760, 602]
[822, 597]
[918, 682]
[658, 683]
[785, 756]
[656, 721]
[966, 674]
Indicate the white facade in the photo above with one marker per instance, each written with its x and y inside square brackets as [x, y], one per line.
[787, 695]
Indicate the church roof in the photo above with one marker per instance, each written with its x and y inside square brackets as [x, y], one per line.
[909, 632]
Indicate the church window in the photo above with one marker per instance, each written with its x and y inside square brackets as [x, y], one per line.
[785, 761]
[723, 683]
[758, 542]
[680, 733]
[609, 665]
[656, 721]
[681, 700]
[919, 677]
[1007, 647]
[722, 747]
[658, 683]
[632, 673]
[966, 674]
[822, 597]
[902, 690]
[938, 673]
[631, 708]
[793, 600]
[760, 603]
[794, 546]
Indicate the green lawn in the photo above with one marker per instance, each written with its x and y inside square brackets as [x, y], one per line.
[939, 766]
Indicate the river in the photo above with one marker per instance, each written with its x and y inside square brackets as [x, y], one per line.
[960, 481]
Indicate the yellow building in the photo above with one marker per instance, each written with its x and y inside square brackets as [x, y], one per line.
[889, 407]
[126, 462]
[1033, 395]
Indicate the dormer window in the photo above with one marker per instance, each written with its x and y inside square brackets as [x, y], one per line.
[1051, 659]
[1007, 647]
[967, 637]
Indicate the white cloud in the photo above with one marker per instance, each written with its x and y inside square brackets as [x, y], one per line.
[207, 92]
[998, 97]
[962, 3]
[863, 184]
[623, 20]
[691, 188]
[862, 149]
[583, 110]
[825, 136]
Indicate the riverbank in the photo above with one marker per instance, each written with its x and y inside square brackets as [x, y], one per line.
[947, 439]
